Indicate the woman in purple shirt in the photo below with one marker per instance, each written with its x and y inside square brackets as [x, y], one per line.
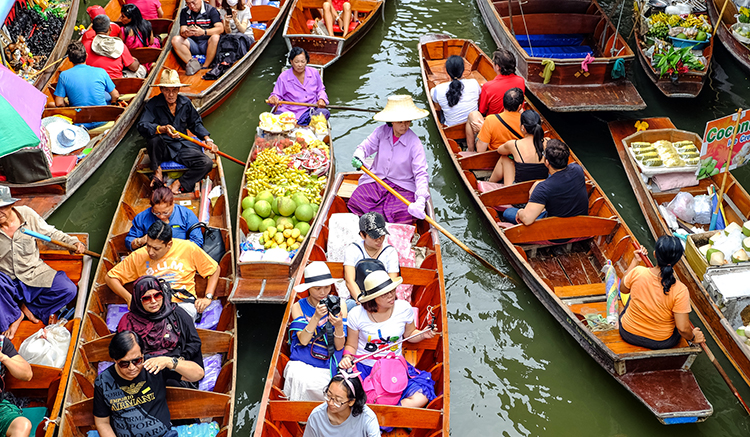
[300, 84]
[399, 161]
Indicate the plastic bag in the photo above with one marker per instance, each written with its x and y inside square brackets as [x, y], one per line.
[702, 208]
[668, 217]
[212, 368]
[682, 206]
[731, 244]
[48, 346]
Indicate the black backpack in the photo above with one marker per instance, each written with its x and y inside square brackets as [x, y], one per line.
[367, 265]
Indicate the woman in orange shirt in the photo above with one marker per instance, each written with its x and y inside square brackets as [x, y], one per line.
[656, 315]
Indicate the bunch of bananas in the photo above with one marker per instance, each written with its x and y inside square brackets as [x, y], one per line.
[698, 21]
[658, 30]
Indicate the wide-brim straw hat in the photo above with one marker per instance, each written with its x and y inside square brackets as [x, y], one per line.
[170, 79]
[400, 108]
[317, 274]
[377, 284]
[56, 126]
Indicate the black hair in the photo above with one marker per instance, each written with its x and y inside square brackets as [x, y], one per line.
[138, 26]
[160, 231]
[557, 154]
[668, 250]
[100, 24]
[454, 66]
[161, 193]
[76, 53]
[296, 51]
[505, 60]
[122, 343]
[512, 99]
[359, 396]
[532, 122]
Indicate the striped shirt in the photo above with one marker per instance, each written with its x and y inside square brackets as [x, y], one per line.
[206, 18]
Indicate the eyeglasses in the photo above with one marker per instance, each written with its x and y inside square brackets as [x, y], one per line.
[331, 400]
[159, 295]
[124, 364]
[161, 214]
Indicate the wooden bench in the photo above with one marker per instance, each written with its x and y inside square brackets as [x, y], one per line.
[557, 228]
[584, 290]
[507, 195]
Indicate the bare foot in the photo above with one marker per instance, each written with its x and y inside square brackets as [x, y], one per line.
[157, 175]
[175, 187]
[11, 332]
[28, 314]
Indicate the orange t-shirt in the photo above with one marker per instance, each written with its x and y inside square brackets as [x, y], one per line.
[495, 134]
[650, 312]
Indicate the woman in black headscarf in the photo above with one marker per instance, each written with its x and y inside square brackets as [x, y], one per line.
[165, 328]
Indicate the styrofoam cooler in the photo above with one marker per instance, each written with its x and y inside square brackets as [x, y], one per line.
[729, 287]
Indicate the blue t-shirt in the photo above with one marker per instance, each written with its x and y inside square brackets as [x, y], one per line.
[85, 85]
[180, 221]
[563, 193]
[319, 348]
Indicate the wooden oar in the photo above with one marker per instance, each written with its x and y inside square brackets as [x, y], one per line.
[313, 105]
[721, 16]
[70, 247]
[202, 144]
[714, 216]
[31, 76]
[705, 348]
[437, 226]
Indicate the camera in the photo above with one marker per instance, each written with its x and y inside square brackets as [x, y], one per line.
[333, 303]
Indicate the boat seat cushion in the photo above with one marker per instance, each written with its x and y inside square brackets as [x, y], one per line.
[205, 429]
[209, 320]
[550, 40]
[172, 166]
[566, 52]
[484, 186]
[63, 164]
[211, 367]
[336, 28]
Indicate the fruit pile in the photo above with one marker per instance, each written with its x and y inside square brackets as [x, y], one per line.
[658, 22]
[283, 220]
[277, 123]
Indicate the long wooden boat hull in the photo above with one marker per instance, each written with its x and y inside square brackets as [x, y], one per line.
[280, 417]
[739, 51]
[566, 278]
[737, 208]
[325, 50]
[61, 46]
[77, 415]
[570, 88]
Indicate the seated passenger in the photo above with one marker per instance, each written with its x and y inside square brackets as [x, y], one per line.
[339, 11]
[383, 320]
[345, 412]
[83, 84]
[110, 53]
[175, 261]
[236, 18]
[316, 335]
[28, 286]
[301, 84]
[459, 97]
[522, 160]
[498, 129]
[150, 9]
[165, 328]
[179, 218]
[493, 93]
[200, 29]
[562, 194]
[657, 313]
[89, 34]
[136, 31]
[12, 423]
[142, 384]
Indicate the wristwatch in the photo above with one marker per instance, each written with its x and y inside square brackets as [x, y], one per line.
[210, 296]
[175, 360]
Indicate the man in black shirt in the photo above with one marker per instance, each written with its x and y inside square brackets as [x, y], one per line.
[165, 115]
[11, 421]
[200, 30]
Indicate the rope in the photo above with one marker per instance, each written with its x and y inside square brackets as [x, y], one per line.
[617, 30]
[549, 67]
[618, 70]
[526, 28]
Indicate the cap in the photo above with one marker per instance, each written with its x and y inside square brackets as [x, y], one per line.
[373, 224]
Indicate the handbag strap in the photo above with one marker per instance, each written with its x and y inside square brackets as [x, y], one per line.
[196, 225]
[513, 131]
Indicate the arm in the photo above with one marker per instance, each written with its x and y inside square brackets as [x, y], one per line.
[419, 169]
[349, 275]
[305, 335]
[687, 331]
[160, 13]
[192, 340]
[339, 331]
[59, 101]
[370, 145]
[103, 427]
[506, 148]
[350, 348]
[115, 95]
[184, 32]
[36, 223]
[202, 303]
[137, 234]
[189, 370]
[147, 125]
[195, 123]
[321, 94]
[482, 146]
[411, 329]
[485, 136]
[129, 61]
[241, 25]
[528, 215]
[218, 29]
[17, 366]
[116, 286]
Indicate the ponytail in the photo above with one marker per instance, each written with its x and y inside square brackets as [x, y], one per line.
[454, 66]
[532, 122]
[668, 250]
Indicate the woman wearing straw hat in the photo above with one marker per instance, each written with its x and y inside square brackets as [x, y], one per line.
[317, 335]
[382, 320]
[399, 160]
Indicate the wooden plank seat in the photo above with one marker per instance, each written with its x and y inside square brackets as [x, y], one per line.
[480, 161]
[555, 228]
[584, 290]
[146, 55]
[507, 195]
[160, 26]
[388, 415]
[411, 275]
[212, 342]
[87, 114]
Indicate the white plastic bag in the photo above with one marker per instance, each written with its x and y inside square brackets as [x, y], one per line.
[47, 347]
[682, 206]
[702, 208]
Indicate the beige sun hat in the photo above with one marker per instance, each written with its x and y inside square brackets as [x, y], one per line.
[109, 46]
[170, 79]
[377, 284]
[400, 108]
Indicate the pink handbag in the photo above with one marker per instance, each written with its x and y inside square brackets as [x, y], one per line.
[387, 380]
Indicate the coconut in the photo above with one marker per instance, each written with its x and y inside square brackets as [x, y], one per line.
[731, 228]
[716, 238]
[715, 257]
[746, 243]
[703, 249]
[741, 331]
[739, 256]
[746, 229]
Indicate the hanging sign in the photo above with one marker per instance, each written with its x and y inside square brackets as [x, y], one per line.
[716, 140]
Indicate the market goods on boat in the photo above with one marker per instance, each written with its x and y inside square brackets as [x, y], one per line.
[567, 278]
[281, 417]
[732, 29]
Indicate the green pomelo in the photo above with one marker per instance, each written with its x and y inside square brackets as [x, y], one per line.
[264, 195]
[701, 36]
[253, 222]
[304, 213]
[315, 207]
[303, 227]
[262, 208]
[287, 206]
[266, 224]
[275, 205]
[248, 202]
[246, 214]
[300, 199]
[681, 36]
[294, 221]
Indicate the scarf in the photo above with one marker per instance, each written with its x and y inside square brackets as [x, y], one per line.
[160, 331]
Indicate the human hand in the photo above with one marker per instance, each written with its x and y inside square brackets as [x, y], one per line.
[80, 248]
[321, 103]
[356, 163]
[641, 251]
[157, 364]
[321, 310]
[138, 242]
[201, 304]
[273, 100]
[346, 362]
[416, 208]
[698, 336]
[212, 145]
[337, 321]
[429, 333]
[172, 132]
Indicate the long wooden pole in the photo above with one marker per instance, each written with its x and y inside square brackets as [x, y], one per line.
[721, 16]
[437, 226]
[724, 180]
[70, 247]
[705, 348]
[313, 105]
[48, 66]
[202, 144]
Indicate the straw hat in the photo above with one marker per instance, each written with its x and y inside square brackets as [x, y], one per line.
[400, 108]
[170, 79]
[377, 284]
[5, 197]
[64, 136]
[317, 274]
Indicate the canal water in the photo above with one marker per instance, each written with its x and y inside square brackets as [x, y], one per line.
[514, 371]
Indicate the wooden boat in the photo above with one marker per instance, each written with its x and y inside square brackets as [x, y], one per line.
[736, 207]
[207, 95]
[566, 278]
[281, 417]
[586, 29]
[49, 383]
[688, 84]
[324, 50]
[77, 415]
[738, 50]
[47, 195]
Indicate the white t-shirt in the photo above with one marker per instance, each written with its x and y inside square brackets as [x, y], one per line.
[373, 335]
[241, 16]
[468, 102]
[388, 256]
[364, 425]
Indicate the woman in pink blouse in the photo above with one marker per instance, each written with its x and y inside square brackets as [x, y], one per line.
[300, 84]
[136, 32]
[150, 9]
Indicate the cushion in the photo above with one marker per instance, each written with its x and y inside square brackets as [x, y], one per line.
[172, 166]
[114, 314]
[62, 165]
[400, 236]
[568, 52]
[552, 40]
[484, 186]
[343, 230]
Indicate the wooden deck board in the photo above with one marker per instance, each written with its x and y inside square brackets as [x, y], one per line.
[579, 268]
[549, 268]
[596, 289]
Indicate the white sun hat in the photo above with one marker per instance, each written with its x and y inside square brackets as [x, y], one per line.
[377, 284]
[317, 274]
[400, 108]
[64, 136]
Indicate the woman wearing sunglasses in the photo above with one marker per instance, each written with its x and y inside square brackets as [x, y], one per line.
[344, 413]
[167, 331]
[133, 392]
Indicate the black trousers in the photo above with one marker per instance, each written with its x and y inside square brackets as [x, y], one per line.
[197, 163]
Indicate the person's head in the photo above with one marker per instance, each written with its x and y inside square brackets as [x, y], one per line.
[162, 201]
[235, 4]
[454, 66]
[505, 62]
[126, 351]
[345, 394]
[399, 127]
[158, 240]
[76, 53]
[6, 204]
[149, 296]
[379, 292]
[318, 281]
[372, 230]
[130, 12]
[170, 94]
[557, 154]
[298, 59]
[194, 5]
[512, 100]
[531, 122]
[668, 251]
[100, 24]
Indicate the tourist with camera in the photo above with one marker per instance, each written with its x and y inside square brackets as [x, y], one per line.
[317, 336]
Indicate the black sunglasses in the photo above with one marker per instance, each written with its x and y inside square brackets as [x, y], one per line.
[124, 364]
[159, 295]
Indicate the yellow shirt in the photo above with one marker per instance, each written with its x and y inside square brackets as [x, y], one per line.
[650, 312]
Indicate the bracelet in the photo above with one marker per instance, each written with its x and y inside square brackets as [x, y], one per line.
[157, 130]
[339, 336]
[311, 333]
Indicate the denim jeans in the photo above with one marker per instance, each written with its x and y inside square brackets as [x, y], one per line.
[509, 215]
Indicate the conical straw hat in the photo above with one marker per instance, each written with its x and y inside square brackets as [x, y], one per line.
[400, 108]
